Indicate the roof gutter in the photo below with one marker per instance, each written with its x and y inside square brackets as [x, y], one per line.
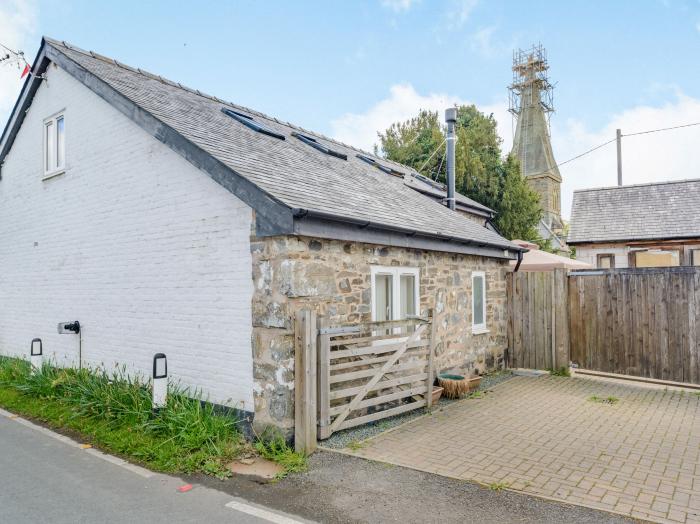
[299, 213]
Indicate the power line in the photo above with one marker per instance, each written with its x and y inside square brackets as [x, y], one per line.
[578, 156]
[614, 139]
[662, 129]
[432, 155]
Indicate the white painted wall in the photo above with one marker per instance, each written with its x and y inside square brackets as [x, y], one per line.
[146, 251]
[590, 255]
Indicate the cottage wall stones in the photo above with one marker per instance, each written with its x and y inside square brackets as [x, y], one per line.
[333, 277]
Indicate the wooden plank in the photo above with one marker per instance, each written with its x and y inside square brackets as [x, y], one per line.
[324, 385]
[561, 319]
[305, 382]
[349, 392]
[354, 375]
[694, 312]
[518, 320]
[358, 421]
[529, 298]
[385, 368]
[373, 401]
[378, 360]
[367, 340]
[378, 349]
[431, 359]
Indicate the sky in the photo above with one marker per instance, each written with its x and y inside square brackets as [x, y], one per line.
[349, 69]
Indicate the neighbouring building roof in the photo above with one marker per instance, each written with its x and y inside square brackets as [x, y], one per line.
[661, 210]
[537, 260]
[294, 186]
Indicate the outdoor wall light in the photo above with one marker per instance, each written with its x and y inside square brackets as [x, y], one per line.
[160, 381]
[36, 352]
[69, 328]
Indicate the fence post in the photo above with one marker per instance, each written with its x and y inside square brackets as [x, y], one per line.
[431, 356]
[323, 345]
[305, 381]
[560, 327]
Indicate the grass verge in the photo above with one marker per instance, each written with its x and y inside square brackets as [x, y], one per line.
[114, 411]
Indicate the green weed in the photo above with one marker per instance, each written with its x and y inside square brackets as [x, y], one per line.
[272, 446]
[475, 394]
[604, 400]
[498, 486]
[354, 445]
[560, 372]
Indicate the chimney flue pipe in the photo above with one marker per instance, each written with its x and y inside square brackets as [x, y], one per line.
[451, 118]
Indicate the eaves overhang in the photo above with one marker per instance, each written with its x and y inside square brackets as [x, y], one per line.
[327, 225]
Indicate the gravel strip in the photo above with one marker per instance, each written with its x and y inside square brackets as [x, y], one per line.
[342, 439]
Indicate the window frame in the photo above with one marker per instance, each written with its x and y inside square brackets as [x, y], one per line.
[600, 256]
[478, 329]
[395, 272]
[693, 252]
[56, 147]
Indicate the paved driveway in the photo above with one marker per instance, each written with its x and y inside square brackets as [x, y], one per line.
[639, 456]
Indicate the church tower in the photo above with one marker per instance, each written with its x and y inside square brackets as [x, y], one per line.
[531, 104]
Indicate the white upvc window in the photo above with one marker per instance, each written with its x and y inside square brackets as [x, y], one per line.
[54, 144]
[394, 292]
[479, 302]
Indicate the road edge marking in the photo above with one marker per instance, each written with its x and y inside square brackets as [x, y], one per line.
[256, 511]
[145, 473]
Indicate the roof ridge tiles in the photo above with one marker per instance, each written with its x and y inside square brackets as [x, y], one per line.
[643, 184]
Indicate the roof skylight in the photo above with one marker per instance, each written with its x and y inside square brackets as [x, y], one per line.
[376, 164]
[321, 147]
[250, 122]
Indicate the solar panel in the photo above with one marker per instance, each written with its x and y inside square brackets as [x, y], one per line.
[381, 167]
[250, 122]
[321, 147]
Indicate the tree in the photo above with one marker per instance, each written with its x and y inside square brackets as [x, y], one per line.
[481, 173]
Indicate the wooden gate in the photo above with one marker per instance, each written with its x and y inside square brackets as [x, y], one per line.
[372, 371]
[538, 326]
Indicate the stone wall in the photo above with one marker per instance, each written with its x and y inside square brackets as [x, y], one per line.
[549, 191]
[333, 277]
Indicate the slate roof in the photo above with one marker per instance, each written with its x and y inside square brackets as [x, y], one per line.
[663, 210]
[289, 171]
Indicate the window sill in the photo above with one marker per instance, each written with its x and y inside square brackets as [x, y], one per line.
[480, 331]
[53, 174]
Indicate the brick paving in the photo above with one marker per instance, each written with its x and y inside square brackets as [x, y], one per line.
[542, 435]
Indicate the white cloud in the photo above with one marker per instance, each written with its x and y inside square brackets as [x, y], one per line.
[399, 5]
[669, 155]
[482, 41]
[404, 102]
[18, 23]
[459, 12]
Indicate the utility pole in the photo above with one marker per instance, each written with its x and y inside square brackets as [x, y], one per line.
[619, 157]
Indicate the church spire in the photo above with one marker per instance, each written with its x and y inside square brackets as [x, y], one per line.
[531, 104]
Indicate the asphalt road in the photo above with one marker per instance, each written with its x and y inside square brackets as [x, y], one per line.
[45, 477]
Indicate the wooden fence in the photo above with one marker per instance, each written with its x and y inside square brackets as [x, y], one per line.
[354, 374]
[643, 322]
[538, 330]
